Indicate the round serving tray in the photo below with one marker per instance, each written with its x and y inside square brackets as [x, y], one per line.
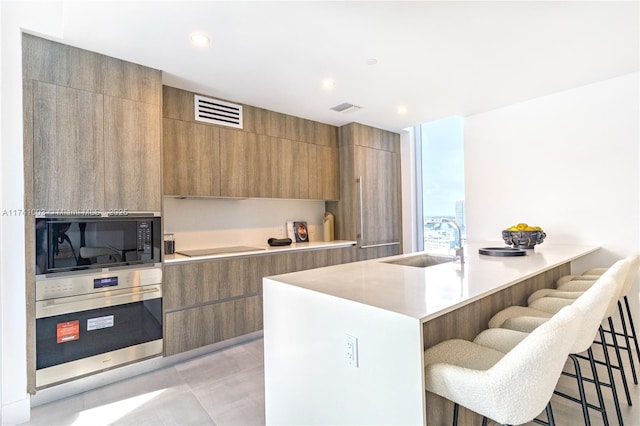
[502, 251]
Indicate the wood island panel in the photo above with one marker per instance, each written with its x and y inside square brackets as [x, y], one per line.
[467, 322]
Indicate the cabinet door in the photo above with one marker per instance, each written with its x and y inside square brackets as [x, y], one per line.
[191, 283]
[67, 148]
[245, 164]
[191, 159]
[324, 177]
[200, 326]
[248, 315]
[132, 155]
[377, 196]
[290, 169]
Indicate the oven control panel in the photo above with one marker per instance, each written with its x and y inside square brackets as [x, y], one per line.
[75, 285]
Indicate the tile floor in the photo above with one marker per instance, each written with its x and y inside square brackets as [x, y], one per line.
[221, 388]
[227, 388]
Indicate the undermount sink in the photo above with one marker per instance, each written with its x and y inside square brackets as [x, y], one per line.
[422, 260]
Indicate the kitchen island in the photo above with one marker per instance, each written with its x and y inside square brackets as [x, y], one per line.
[344, 344]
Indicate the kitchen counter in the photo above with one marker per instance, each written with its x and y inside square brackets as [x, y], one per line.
[259, 250]
[424, 293]
[345, 344]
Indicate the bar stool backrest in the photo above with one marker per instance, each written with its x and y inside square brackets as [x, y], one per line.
[522, 382]
[619, 271]
[595, 302]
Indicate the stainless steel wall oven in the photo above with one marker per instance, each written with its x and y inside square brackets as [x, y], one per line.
[98, 294]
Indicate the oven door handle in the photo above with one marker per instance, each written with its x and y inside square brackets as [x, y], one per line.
[53, 307]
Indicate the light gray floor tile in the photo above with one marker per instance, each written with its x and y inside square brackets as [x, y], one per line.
[61, 412]
[227, 388]
[166, 380]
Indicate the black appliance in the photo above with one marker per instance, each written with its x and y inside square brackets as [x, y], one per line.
[66, 244]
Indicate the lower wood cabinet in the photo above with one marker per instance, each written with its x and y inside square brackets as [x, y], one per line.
[210, 301]
[203, 325]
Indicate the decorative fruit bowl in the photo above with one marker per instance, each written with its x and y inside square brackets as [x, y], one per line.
[523, 236]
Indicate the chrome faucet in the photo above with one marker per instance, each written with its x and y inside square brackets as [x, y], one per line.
[458, 249]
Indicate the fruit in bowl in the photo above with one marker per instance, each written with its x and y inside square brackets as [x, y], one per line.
[523, 236]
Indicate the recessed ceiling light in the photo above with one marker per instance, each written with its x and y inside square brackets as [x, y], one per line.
[328, 84]
[402, 110]
[371, 61]
[200, 39]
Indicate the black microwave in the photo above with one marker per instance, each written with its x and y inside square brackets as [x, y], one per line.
[65, 244]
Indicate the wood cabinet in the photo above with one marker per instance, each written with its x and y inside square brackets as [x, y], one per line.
[245, 164]
[209, 301]
[91, 132]
[68, 147]
[324, 181]
[96, 130]
[378, 190]
[290, 167]
[132, 158]
[274, 156]
[369, 209]
[191, 155]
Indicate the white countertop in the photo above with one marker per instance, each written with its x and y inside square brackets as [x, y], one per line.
[425, 293]
[263, 249]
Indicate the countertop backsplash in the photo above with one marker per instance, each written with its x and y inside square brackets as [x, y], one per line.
[199, 223]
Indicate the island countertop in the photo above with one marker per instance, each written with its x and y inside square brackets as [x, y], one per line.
[425, 293]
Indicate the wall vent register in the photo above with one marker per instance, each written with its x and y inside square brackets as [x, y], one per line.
[215, 111]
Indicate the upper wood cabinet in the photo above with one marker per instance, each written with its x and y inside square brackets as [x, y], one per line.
[94, 127]
[191, 159]
[324, 173]
[245, 164]
[68, 146]
[132, 158]
[290, 166]
[274, 156]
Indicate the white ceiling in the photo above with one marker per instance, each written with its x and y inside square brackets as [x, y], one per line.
[435, 58]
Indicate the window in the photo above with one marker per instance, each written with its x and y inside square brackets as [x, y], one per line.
[440, 166]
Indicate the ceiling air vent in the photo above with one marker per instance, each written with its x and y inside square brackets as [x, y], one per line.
[346, 107]
[218, 112]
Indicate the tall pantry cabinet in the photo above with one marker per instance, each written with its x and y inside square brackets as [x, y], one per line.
[92, 142]
[369, 210]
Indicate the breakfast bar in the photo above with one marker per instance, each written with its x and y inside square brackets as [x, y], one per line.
[344, 344]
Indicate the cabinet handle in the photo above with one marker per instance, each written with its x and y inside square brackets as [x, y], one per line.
[359, 181]
[395, 243]
[361, 233]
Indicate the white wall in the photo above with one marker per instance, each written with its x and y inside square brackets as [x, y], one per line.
[568, 162]
[43, 17]
[213, 222]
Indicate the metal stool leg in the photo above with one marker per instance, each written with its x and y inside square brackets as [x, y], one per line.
[633, 329]
[455, 414]
[612, 382]
[594, 372]
[625, 334]
[619, 358]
